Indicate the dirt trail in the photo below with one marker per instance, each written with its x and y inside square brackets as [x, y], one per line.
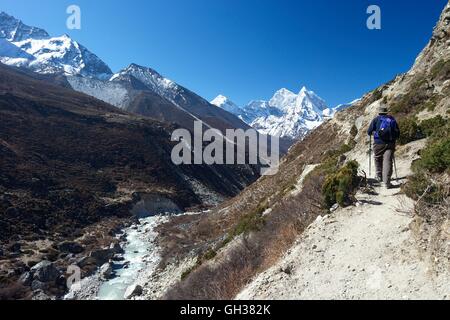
[361, 252]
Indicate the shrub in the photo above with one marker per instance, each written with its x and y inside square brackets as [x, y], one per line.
[354, 131]
[187, 272]
[339, 186]
[431, 104]
[421, 186]
[413, 101]
[434, 127]
[377, 95]
[435, 158]
[209, 255]
[441, 70]
[409, 130]
[250, 222]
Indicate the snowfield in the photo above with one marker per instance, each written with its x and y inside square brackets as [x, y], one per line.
[286, 114]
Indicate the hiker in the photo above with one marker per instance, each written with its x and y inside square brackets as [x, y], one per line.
[386, 132]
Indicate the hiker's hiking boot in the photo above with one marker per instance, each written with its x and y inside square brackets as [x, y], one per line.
[387, 185]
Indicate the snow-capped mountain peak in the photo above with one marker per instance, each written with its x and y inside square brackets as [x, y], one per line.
[283, 99]
[223, 102]
[36, 50]
[147, 76]
[286, 114]
[220, 100]
[13, 29]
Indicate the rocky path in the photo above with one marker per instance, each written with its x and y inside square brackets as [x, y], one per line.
[365, 251]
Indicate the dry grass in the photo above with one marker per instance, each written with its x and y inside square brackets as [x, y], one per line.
[256, 251]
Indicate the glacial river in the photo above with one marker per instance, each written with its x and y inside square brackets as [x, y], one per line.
[141, 255]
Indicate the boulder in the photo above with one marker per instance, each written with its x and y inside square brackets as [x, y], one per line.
[45, 271]
[70, 247]
[132, 291]
[118, 258]
[116, 248]
[102, 255]
[106, 271]
[85, 261]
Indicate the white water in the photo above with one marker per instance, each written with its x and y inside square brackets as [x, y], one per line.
[141, 253]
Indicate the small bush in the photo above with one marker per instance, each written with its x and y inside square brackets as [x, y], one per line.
[339, 186]
[377, 95]
[430, 105]
[435, 158]
[413, 101]
[354, 131]
[187, 272]
[250, 222]
[441, 70]
[409, 130]
[345, 148]
[421, 186]
[209, 255]
[434, 127]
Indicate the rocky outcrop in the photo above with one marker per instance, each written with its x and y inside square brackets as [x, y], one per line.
[437, 48]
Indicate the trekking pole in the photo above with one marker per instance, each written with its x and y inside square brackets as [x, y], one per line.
[395, 167]
[370, 156]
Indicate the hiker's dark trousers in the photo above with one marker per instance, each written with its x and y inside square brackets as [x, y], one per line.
[384, 157]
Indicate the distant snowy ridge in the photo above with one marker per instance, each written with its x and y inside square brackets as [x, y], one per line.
[14, 30]
[31, 47]
[226, 104]
[286, 114]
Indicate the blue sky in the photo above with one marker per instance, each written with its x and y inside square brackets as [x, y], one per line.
[248, 49]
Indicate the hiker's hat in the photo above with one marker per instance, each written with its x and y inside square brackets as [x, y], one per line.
[383, 109]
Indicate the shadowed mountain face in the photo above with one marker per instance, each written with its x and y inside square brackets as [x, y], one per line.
[144, 91]
[68, 160]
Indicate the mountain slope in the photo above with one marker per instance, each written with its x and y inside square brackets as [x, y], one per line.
[71, 165]
[182, 98]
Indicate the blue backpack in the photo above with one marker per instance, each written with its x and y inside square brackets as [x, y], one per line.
[387, 129]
